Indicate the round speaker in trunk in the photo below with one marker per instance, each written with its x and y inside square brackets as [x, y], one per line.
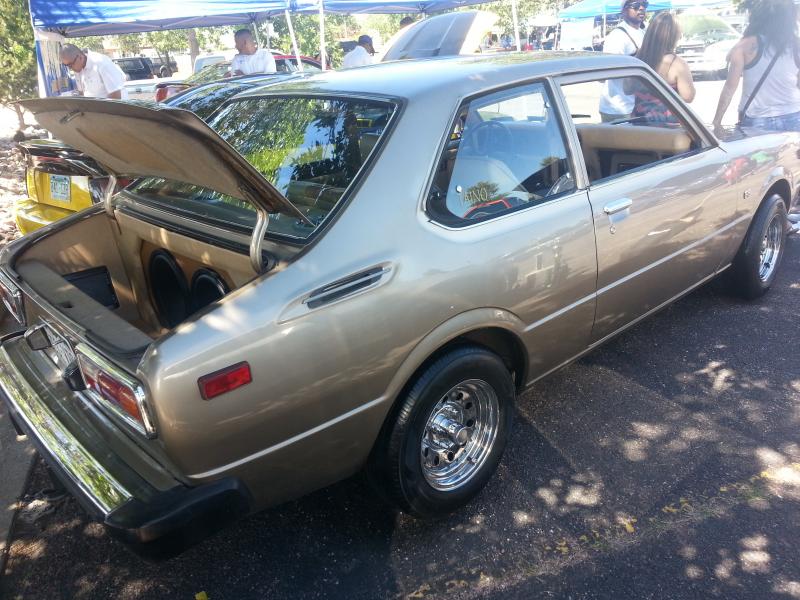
[169, 287]
[207, 287]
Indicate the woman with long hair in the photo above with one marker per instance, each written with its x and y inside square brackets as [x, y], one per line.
[658, 51]
[767, 59]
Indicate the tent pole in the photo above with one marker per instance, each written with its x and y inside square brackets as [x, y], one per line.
[294, 41]
[255, 32]
[516, 24]
[322, 34]
[604, 24]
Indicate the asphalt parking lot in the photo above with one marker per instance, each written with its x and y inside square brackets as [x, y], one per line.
[664, 465]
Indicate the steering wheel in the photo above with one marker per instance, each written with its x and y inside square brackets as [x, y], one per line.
[485, 136]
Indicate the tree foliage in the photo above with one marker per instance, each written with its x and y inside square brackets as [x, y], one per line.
[129, 43]
[525, 10]
[17, 57]
[306, 30]
[94, 42]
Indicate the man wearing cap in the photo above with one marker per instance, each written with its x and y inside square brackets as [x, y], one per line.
[624, 39]
[360, 55]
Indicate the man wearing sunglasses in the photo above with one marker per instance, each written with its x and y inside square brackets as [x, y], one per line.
[624, 39]
[95, 73]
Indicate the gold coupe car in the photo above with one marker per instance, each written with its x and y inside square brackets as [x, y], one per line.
[359, 270]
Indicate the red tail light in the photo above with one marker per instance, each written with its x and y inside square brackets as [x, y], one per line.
[161, 93]
[225, 380]
[114, 389]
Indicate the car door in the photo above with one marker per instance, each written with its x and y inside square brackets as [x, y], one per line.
[506, 200]
[660, 206]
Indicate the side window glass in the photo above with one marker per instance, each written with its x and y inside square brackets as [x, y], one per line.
[625, 123]
[505, 152]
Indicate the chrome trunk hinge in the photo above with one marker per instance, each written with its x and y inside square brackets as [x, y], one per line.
[259, 231]
[109, 191]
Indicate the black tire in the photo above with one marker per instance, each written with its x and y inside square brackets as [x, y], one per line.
[396, 468]
[751, 275]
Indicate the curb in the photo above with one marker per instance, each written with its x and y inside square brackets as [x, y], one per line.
[16, 464]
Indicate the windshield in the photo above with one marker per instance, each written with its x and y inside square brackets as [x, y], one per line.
[707, 28]
[209, 73]
[205, 99]
[309, 148]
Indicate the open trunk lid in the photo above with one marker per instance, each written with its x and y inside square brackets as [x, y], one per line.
[132, 140]
[141, 141]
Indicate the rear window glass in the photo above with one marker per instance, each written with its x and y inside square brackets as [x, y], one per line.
[205, 99]
[311, 149]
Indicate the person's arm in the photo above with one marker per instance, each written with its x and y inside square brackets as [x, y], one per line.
[685, 82]
[735, 70]
[113, 79]
[269, 62]
[236, 66]
[615, 42]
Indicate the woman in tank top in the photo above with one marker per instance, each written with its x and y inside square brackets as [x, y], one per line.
[770, 45]
[658, 51]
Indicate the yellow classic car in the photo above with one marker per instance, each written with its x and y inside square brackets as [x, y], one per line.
[60, 182]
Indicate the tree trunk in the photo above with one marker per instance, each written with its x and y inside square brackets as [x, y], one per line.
[194, 47]
[20, 116]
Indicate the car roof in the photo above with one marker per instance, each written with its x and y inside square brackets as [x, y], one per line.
[468, 74]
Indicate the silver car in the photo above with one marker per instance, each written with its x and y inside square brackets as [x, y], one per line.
[360, 270]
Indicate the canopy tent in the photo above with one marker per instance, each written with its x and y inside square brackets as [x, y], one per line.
[364, 7]
[593, 8]
[73, 18]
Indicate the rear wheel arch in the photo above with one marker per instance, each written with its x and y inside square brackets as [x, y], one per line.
[467, 329]
[780, 187]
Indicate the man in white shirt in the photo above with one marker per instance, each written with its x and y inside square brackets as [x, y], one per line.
[95, 73]
[251, 59]
[625, 39]
[361, 55]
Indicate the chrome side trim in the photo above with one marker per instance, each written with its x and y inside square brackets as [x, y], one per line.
[291, 440]
[625, 327]
[669, 257]
[97, 485]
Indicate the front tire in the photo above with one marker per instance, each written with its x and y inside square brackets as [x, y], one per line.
[756, 263]
[448, 435]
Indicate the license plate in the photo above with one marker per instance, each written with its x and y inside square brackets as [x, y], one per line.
[59, 187]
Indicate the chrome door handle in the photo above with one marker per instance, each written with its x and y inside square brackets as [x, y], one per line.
[617, 206]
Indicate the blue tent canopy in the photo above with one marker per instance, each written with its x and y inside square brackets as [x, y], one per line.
[73, 18]
[107, 17]
[593, 8]
[397, 7]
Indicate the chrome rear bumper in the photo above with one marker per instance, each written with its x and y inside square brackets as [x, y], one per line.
[156, 521]
[96, 485]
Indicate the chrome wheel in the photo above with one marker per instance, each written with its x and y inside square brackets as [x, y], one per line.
[770, 248]
[459, 435]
